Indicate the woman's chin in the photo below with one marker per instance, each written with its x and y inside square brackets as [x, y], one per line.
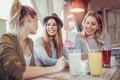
[89, 33]
[33, 32]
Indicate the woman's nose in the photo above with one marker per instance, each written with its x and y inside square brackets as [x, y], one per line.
[51, 26]
[89, 25]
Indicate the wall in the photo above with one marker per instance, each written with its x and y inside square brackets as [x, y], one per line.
[113, 25]
[98, 4]
[2, 26]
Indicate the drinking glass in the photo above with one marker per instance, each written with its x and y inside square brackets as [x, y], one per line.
[95, 62]
[106, 56]
[74, 62]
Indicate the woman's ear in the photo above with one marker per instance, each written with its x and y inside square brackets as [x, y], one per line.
[29, 18]
[98, 26]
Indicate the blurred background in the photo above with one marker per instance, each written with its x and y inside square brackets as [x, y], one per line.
[65, 9]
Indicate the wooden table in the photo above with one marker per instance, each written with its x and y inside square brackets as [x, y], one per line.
[107, 73]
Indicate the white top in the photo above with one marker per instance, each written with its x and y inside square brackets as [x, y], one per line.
[27, 59]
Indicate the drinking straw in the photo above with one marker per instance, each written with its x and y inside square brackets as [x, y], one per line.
[70, 43]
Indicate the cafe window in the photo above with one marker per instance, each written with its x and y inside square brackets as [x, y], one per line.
[72, 22]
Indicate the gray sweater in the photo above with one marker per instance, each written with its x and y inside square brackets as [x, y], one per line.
[41, 57]
[93, 45]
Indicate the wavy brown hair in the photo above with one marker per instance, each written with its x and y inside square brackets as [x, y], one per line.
[99, 33]
[57, 41]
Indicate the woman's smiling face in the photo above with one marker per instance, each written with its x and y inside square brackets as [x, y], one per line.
[91, 26]
[51, 27]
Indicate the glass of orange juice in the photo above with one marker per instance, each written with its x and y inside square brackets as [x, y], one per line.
[95, 62]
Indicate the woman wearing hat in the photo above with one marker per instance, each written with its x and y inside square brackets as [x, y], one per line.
[50, 47]
[16, 48]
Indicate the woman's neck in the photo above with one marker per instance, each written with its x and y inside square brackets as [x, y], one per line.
[22, 40]
[23, 35]
[23, 43]
[51, 40]
[91, 37]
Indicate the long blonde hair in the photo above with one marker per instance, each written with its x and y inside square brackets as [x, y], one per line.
[18, 14]
[57, 41]
[99, 33]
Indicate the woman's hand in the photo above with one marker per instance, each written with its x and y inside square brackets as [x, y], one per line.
[61, 63]
[85, 42]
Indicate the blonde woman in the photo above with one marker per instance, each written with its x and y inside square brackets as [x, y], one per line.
[93, 35]
[50, 47]
[16, 48]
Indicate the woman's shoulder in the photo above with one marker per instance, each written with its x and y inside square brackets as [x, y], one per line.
[79, 34]
[7, 40]
[39, 40]
[7, 37]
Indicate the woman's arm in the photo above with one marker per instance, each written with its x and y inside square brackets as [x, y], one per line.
[41, 57]
[65, 52]
[44, 61]
[85, 42]
[80, 43]
[31, 72]
[9, 59]
[15, 67]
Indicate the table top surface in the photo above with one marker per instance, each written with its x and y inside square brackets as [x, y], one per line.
[107, 73]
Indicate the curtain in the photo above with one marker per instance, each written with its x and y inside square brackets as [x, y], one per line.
[47, 7]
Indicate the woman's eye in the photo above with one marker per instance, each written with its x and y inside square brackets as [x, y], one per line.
[48, 24]
[54, 25]
[87, 23]
[93, 23]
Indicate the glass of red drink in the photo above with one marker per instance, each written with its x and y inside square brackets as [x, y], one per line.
[106, 56]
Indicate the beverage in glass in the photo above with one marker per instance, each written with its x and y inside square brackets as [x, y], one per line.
[74, 62]
[95, 62]
[106, 56]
